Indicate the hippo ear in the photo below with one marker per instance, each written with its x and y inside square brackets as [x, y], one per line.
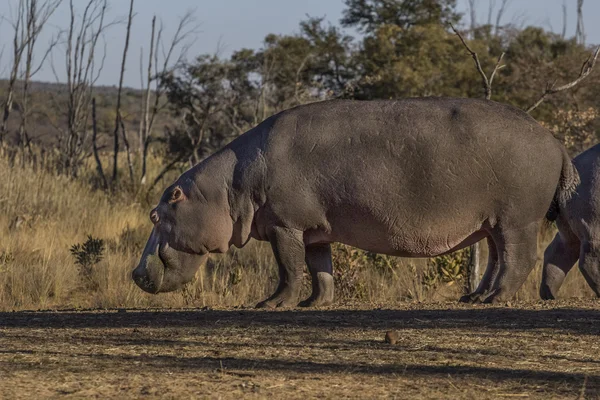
[177, 195]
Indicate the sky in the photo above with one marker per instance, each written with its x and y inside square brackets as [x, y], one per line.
[228, 25]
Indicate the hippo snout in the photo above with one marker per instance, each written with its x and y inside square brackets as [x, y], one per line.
[168, 272]
[149, 274]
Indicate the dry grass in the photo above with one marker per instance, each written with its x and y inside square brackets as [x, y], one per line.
[37, 269]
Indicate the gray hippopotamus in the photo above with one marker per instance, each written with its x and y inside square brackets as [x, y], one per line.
[578, 236]
[410, 178]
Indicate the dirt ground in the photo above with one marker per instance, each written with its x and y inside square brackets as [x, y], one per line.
[536, 350]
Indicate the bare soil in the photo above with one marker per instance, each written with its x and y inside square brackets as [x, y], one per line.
[447, 350]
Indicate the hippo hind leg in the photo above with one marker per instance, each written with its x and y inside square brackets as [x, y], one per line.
[559, 257]
[517, 253]
[490, 274]
[589, 265]
[318, 260]
[288, 248]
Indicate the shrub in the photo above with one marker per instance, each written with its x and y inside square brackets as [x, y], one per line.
[449, 269]
[88, 254]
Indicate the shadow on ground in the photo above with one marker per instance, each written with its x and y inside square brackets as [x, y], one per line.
[580, 321]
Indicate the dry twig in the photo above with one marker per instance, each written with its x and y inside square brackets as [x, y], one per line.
[487, 83]
[586, 69]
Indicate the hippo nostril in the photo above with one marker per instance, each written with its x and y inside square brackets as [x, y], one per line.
[137, 275]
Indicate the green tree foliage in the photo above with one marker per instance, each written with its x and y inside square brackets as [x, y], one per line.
[370, 15]
[422, 61]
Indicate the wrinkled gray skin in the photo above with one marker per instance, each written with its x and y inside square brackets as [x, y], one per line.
[409, 178]
[578, 236]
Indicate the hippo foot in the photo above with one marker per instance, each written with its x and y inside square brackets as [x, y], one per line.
[316, 302]
[471, 298]
[492, 297]
[489, 297]
[278, 302]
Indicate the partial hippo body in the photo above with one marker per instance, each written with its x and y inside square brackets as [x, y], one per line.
[409, 178]
[578, 236]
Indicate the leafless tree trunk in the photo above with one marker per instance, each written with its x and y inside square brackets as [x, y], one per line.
[82, 73]
[580, 32]
[186, 29]
[127, 151]
[118, 122]
[491, 7]
[19, 43]
[473, 15]
[36, 16]
[95, 147]
[503, 6]
[144, 135]
[564, 25]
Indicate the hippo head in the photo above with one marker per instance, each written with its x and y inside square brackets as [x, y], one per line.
[191, 220]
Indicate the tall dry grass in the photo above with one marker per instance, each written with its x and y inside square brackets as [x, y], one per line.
[42, 214]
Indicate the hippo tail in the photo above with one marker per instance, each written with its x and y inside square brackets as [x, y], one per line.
[567, 186]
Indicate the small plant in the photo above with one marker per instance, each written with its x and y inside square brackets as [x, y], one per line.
[448, 269]
[235, 275]
[88, 254]
[6, 257]
[347, 263]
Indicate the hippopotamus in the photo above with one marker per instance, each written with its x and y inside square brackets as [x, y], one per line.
[578, 236]
[412, 178]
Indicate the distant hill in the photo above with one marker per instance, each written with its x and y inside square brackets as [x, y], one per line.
[48, 111]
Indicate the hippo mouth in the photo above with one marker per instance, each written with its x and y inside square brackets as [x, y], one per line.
[149, 277]
[167, 270]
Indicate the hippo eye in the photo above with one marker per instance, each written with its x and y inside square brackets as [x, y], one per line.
[154, 216]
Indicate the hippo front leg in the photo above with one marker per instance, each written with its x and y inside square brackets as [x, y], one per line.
[318, 260]
[288, 248]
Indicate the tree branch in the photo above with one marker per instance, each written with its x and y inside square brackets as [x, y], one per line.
[586, 69]
[487, 83]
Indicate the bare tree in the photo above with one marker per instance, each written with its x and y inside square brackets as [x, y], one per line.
[118, 118]
[36, 15]
[551, 89]
[153, 101]
[30, 18]
[473, 15]
[503, 6]
[127, 151]
[487, 82]
[564, 25]
[83, 71]
[580, 32]
[95, 147]
[19, 44]
[145, 126]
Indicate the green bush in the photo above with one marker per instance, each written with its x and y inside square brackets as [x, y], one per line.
[87, 255]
